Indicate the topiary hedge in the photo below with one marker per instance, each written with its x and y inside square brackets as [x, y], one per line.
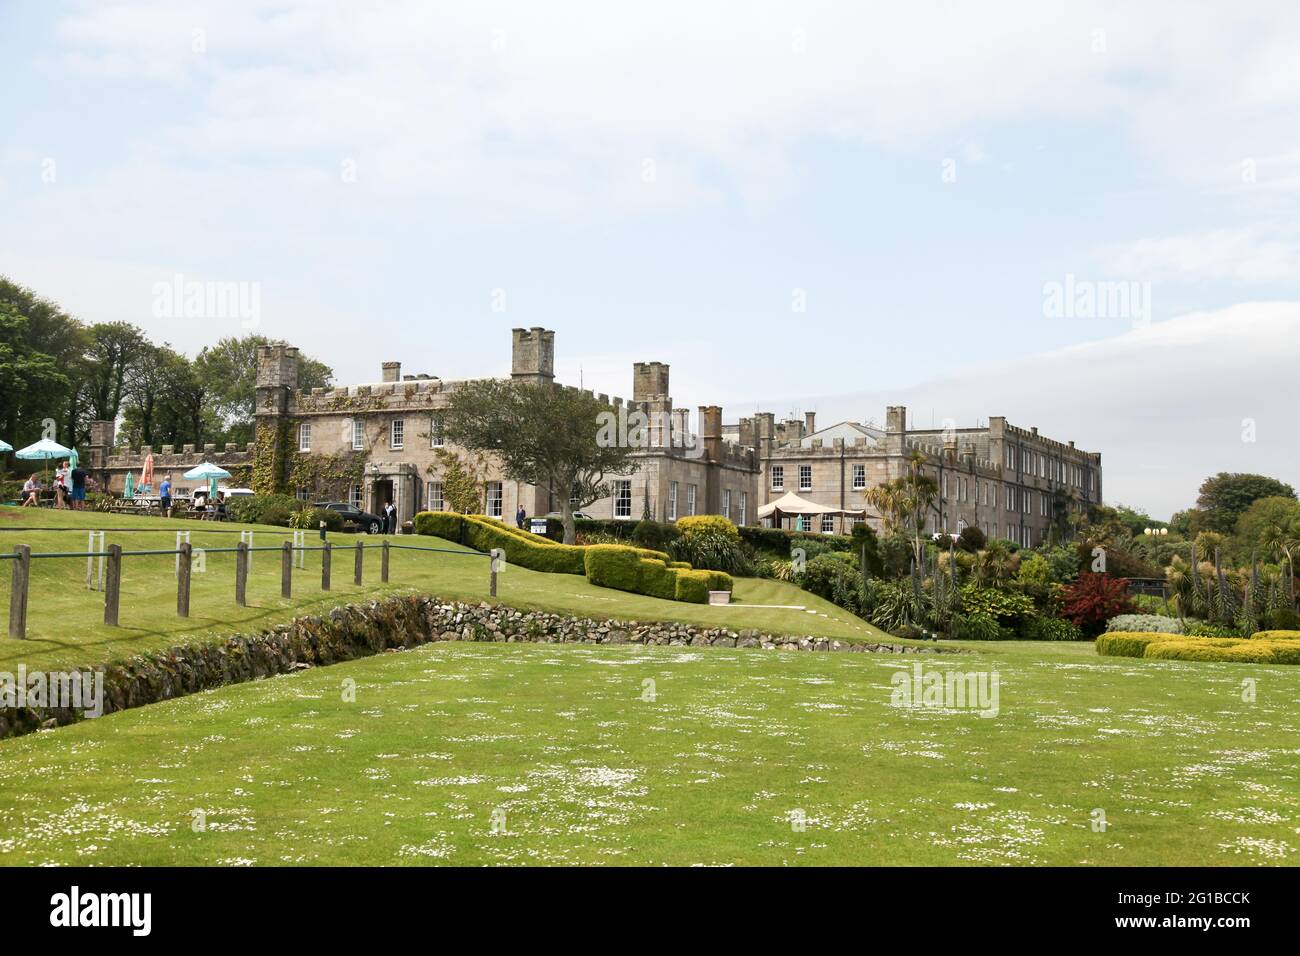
[645, 572]
[1129, 643]
[1209, 649]
[1176, 647]
[619, 566]
[1275, 636]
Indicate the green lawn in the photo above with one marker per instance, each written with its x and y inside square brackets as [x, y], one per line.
[66, 626]
[564, 750]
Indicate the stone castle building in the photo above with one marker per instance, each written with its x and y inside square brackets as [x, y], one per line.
[378, 442]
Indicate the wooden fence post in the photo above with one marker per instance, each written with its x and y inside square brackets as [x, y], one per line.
[18, 593]
[356, 571]
[241, 573]
[183, 571]
[286, 570]
[383, 564]
[113, 586]
[326, 550]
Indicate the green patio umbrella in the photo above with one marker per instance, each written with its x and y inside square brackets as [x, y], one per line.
[45, 449]
[211, 472]
[5, 446]
[73, 458]
[128, 489]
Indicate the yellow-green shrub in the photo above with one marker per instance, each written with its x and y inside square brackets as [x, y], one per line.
[1129, 643]
[532, 551]
[694, 586]
[1242, 652]
[694, 524]
[647, 572]
[1275, 636]
[639, 570]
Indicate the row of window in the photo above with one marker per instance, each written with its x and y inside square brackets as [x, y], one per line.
[396, 434]
[1045, 467]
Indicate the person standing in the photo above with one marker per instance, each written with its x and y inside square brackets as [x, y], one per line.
[61, 485]
[165, 495]
[78, 476]
[390, 518]
[521, 518]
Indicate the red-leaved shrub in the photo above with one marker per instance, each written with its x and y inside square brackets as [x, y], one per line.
[1094, 599]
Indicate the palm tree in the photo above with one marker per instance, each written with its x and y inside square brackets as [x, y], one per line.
[1282, 538]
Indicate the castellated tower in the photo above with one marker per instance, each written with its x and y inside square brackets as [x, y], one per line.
[650, 394]
[277, 380]
[532, 355]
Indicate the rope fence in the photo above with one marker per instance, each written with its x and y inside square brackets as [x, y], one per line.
[108, 578]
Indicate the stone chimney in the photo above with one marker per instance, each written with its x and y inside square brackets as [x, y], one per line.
[711, 431]
[895, 429]
[392, 372]
[809, 422]
[532, 356]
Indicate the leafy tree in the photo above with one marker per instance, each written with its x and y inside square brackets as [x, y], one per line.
[115, 348]
[1225, 497]
[462, 484]
[39, 346]
[543, 434]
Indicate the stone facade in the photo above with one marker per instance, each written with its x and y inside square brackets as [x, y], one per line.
[393, 425]
[384, 438]
[1010, 482]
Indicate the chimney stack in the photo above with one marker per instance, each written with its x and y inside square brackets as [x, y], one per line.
[392, 372]
[809, 419]
[711, 430]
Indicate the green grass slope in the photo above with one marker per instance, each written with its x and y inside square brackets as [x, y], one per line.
[498, 754]
[65, 620]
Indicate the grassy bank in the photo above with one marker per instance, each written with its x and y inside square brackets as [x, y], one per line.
[66, 626]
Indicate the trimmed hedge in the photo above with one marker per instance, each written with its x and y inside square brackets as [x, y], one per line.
[1242, 652]
[639, 570]
[1275, 636]
[1176, 647]
[645, 572]
[1129, 643]
[780, 540]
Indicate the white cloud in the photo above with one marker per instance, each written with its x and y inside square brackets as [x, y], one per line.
[565, 100]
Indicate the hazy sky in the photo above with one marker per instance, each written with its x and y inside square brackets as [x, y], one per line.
[799, 206]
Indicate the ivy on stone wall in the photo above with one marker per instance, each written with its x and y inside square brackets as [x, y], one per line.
[330, 476]
[270, 457]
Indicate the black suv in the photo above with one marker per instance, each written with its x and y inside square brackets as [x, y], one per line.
[354, 519]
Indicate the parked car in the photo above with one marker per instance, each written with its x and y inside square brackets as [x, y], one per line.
[577, 514]
[354, 519]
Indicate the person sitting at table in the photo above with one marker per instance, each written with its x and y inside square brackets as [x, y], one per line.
[31, 492]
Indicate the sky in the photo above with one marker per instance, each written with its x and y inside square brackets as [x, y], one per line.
[1079, 216]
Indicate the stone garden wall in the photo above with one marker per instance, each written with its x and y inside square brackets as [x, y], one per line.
[360, 630]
